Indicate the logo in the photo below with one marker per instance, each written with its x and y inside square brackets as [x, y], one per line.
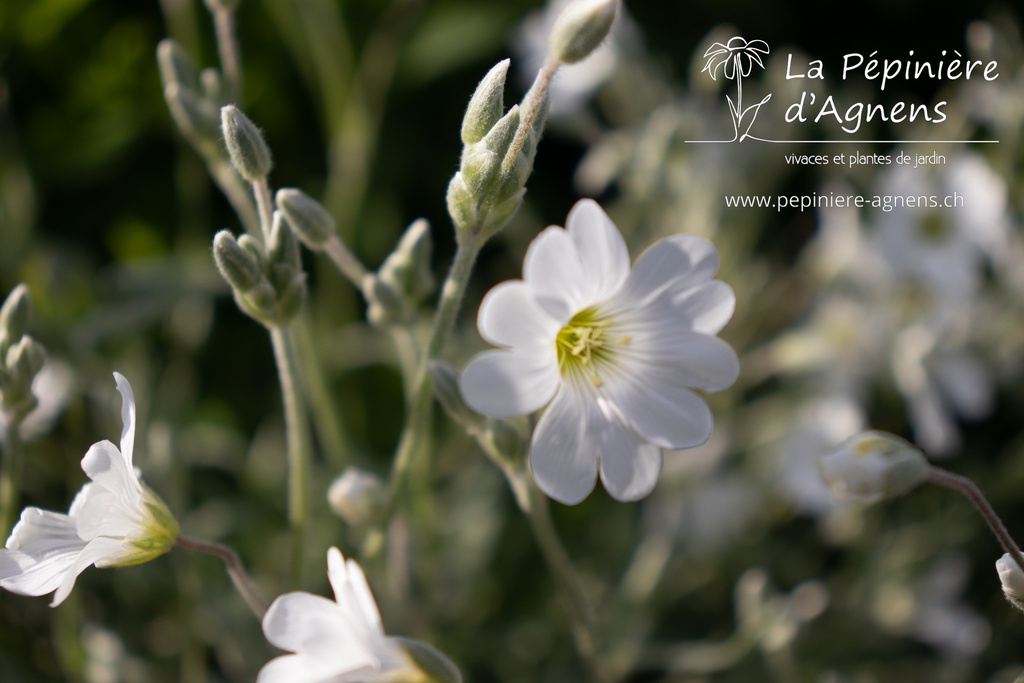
[735, 60]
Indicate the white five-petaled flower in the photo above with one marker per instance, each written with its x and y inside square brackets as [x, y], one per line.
[614, 351]
[114, 521]
[334, 642]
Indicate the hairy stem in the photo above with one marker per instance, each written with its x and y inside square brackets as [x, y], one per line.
[230, 55]
[968, 488]
[533, 102]
[297, 440]
[10, 468]
[243, 582]
[417, 423]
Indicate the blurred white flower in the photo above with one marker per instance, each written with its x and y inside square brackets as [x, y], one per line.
[821, 424]
[943, 247]
[51, 388]
[334, 642]
[114, 521]
[615, 351]
[357, 495]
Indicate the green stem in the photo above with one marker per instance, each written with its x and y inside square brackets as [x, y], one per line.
[264, 205]
[532, 104]
[345, 261]
[970, 490]
[417, 425]
[243, 582]
[297, 439]
[10, 469]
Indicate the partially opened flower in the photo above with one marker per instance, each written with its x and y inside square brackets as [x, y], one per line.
[615, 351]
[340, 641]
[114, 521]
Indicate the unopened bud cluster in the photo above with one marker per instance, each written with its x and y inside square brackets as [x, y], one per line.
[21, 356]
[874, 465]
[488, 190]
[194, 98]
[403, 280]
[268, 283]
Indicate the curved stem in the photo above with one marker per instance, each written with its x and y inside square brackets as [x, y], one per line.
[264, 205]
[243, 582]
[10, 467]
[297, 439]
[417, 425]
[968, 488]
[345, 261]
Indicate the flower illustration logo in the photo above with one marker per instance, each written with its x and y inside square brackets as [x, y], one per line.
[735, 59]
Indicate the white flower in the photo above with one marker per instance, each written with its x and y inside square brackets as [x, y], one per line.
[334, 642]
[114, 521]
[1011, 576]
[615, 351]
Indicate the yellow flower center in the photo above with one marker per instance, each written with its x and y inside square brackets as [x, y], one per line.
[583, 344]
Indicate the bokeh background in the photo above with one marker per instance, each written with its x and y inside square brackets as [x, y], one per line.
[738, 567]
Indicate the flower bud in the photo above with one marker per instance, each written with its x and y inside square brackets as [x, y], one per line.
[1012, 578]
[212, 85]
[407, 269]
[176, 66]
[246, 147]
[445, 381]
[874, 465]
[500, 136]
[236, 264]
[306, 216]
[486, 104]
[15, 315]
[282, 247]
[580, 29]
[24, 360]
[357, 496]
[461, 205]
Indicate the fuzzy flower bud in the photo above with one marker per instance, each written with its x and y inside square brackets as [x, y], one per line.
[14, 316]
[175, 65]
[486, 104]
[874, 465]
[249, 152]
[357, 496]
[1012, 578]
[306, 216]
[236, 264]
[580, 29]
[407, 269]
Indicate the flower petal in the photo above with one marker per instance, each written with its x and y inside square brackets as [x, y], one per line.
[127, 418]
[553, 271]
[105, 466]
[674, 264]
[666, 415]
[41, 550]
[563, 459]
[602, 251]
[672, 354]
[97, 550]
[708, 307]
[507, 383]
[300, 668]
[99, 511]
[353, 594]
[629, 466]
[510, 316]
[294, 619]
